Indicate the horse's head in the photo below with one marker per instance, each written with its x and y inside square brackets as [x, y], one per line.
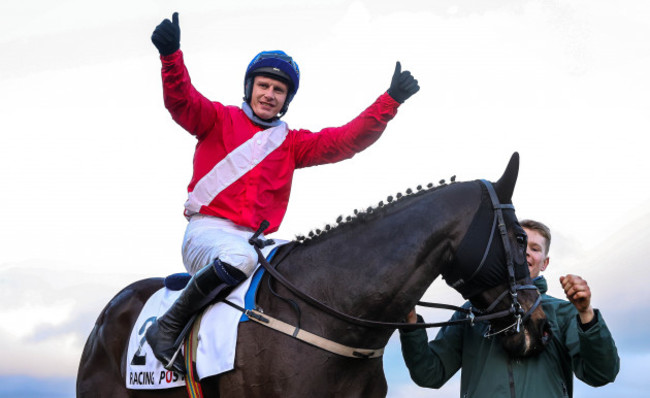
[490, 270]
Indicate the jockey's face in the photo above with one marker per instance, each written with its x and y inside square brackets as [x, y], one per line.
[536, 253]
[268, 97]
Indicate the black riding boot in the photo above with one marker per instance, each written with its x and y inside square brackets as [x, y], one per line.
[204, 287]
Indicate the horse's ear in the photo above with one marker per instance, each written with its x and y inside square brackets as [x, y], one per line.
[506, 184]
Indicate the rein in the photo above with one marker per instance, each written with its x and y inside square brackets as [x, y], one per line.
[471, 313]
[484, 315]
[349, 318]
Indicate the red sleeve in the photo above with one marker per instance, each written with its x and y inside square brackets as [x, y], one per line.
[189, 108]
[334, 144]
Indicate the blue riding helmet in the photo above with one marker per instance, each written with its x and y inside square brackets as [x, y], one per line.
[277, 65]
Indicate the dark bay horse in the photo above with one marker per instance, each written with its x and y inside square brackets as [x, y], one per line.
[375, 266]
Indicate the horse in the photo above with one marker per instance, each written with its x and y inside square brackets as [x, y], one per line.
[373, 266]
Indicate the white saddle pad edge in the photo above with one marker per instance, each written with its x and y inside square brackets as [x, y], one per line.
[217, 339]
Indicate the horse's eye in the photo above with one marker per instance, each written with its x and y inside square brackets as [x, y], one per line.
[521, 239]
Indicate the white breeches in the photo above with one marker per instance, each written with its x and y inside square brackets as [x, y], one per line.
[207, 238]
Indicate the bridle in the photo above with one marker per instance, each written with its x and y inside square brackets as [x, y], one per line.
[473, 314]
[515, 309]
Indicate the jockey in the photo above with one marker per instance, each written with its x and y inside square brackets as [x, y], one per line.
[243, 168]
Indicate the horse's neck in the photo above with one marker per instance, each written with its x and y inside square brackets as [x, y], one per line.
[380, 267]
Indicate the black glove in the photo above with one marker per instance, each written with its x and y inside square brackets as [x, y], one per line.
[167, 36]
[403, 84]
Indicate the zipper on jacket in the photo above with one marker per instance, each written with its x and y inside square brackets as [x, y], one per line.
[511, 379]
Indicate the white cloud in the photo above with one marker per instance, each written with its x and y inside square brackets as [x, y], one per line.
[48, 312]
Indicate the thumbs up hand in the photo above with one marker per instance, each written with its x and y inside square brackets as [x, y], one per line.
[403, 84]
[167, 36]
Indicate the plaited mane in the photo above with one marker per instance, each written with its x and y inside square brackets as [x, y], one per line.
[362, 215]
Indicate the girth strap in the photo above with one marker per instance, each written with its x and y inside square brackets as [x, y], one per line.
[308, 337]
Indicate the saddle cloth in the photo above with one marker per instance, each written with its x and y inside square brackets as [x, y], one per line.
[216, 341]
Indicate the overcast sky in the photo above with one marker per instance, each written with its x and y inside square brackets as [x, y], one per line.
[94, 171]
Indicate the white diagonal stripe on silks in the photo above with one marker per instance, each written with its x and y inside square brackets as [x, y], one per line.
[237, 163]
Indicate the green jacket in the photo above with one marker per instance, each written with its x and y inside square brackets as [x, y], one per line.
[487, 371]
